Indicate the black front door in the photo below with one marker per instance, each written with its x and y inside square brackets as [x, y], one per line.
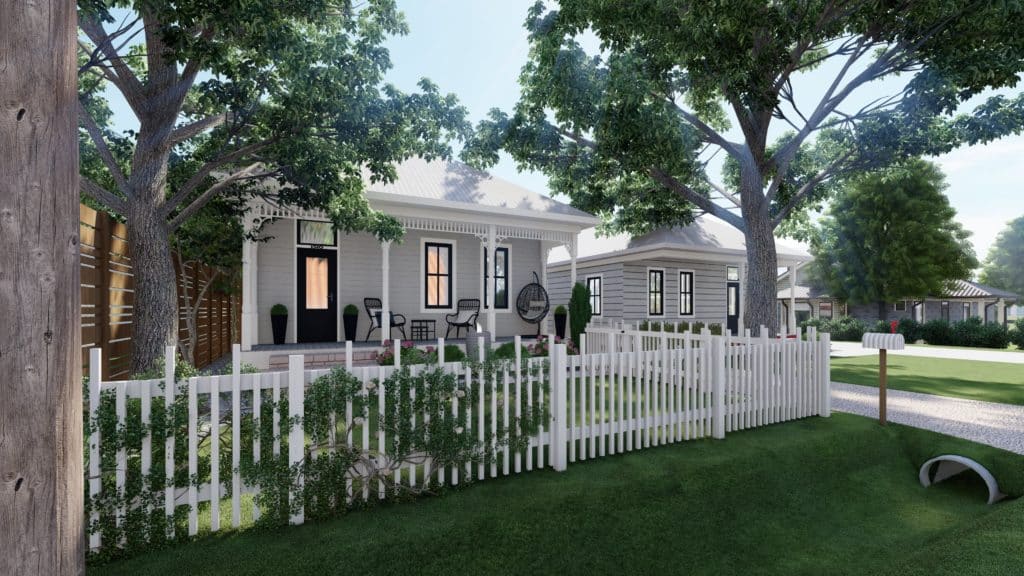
[732, 317]
[317, 285]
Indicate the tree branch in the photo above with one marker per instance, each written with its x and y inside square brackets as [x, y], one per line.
[182, 133]
[123, 78]
[186, 190]
[102, 195]
[825, 173]
[101, 146]
[691, 195]
[209, 193]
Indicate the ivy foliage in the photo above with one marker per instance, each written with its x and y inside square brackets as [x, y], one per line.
[424, 422]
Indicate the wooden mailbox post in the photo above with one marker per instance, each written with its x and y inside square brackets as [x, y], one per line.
[883, 343]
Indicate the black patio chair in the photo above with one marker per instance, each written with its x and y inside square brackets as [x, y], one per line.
[464, 317]
[373, 309]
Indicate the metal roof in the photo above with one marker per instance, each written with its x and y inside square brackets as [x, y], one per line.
[705, 234]
[446, 182]
[968, 289]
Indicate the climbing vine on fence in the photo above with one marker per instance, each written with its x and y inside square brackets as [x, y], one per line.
[336, 474]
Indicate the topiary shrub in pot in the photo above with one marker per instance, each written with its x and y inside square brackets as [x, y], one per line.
[350, 319]
[560, 315]
[580, 312]
[279, 322]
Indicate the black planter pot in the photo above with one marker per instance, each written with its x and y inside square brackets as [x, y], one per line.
[560, 325]
[350, 322]
[280, 326]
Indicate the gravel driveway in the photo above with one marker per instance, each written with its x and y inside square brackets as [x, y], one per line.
[999, 425]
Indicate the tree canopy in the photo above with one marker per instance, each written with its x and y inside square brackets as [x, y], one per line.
[242, 98]
[629, 130]
[892, 235]
[1004, 265]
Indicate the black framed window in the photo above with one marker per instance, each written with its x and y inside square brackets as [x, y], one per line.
[500, 278]
[825, 310]
[900, 306]
[685, 293]
[732, 273]
[967, 310]
[655, 292]
[944, 307]
[594, 287]
[437, 270]
[313, 233]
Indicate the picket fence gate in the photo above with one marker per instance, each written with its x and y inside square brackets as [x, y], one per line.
[618, 399]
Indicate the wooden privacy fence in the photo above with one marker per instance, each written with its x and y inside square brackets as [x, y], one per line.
[108, 299]
[592, 405]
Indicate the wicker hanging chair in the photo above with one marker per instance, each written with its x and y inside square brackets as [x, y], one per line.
[533, 303]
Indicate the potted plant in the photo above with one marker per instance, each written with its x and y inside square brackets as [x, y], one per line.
[279, 322]
[560, 314]
[350, 318]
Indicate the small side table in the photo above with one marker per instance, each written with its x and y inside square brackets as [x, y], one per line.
[423, 329]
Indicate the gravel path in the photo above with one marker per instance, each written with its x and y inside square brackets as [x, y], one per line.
[999, 425]
[846, 349]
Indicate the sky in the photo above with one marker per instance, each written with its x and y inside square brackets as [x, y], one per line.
[476, 48]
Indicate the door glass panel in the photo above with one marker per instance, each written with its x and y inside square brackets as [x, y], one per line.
[732, 301]
[316, 283]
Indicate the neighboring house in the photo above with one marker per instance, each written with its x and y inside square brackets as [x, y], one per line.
[966, 300]
[454, 217]
[692, 273]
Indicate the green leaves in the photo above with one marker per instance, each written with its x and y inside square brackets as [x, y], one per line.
[892, 235]
[1004, 266]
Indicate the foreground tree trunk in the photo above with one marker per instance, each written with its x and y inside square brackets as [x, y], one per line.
[154, 322]
[41, 468]
[761, 281]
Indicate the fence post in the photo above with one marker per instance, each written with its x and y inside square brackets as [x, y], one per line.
[583, 344]
[559, 388]
[297, 436]
[825, 349]
[95, 381]
[611, 344]
[170, 354]
[236, 434]
[717, 387]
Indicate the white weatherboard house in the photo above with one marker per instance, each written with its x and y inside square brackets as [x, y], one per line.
[690, 274]
[454, 217]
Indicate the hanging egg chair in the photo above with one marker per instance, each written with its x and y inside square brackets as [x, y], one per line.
[533, 303]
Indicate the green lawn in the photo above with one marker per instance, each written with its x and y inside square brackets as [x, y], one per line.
[817, 496]
[989, 381]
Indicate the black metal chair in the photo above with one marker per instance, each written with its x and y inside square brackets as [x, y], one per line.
[373, 309]
[464, 317]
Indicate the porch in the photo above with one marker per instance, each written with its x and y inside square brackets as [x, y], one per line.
[444, 259]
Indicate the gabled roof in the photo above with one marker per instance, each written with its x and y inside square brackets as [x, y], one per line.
[446, 183]
[968, 289]
[803, 292]
[707, 235]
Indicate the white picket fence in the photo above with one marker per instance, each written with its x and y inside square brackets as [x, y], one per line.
[601, 403]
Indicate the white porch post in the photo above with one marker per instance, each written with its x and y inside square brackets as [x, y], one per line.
[545, 250]
[490, 262]
[250, 315]
[791, 321]
[573, 251]
[743, 298]
[385, 311]
[1001, 312]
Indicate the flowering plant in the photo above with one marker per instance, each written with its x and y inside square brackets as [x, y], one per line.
[540, 347]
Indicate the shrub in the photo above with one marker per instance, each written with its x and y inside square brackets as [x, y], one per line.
[846, 329]
[350, 310]
[540, 346]
[1016, 335]
[278, 310]
[580, 312]
[452, 353]
[994, 336]
[910, 328]
[937, 332]
[967, 333]
[507, 351]
[560, 310]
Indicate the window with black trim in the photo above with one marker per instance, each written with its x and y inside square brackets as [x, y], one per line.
[967, 310]
[500, 278]
[825, 310]
[655, 292]
[900, 306]
[944, 307]
[437, 269]
[685, 293]
[594, 287]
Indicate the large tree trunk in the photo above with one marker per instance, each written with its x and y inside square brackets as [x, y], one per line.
[762, 272]
[154, 323]
[41, 470]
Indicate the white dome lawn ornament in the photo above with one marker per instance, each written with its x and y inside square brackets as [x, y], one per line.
[883, 343]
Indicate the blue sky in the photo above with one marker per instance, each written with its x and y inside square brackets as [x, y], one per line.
[476, 48]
